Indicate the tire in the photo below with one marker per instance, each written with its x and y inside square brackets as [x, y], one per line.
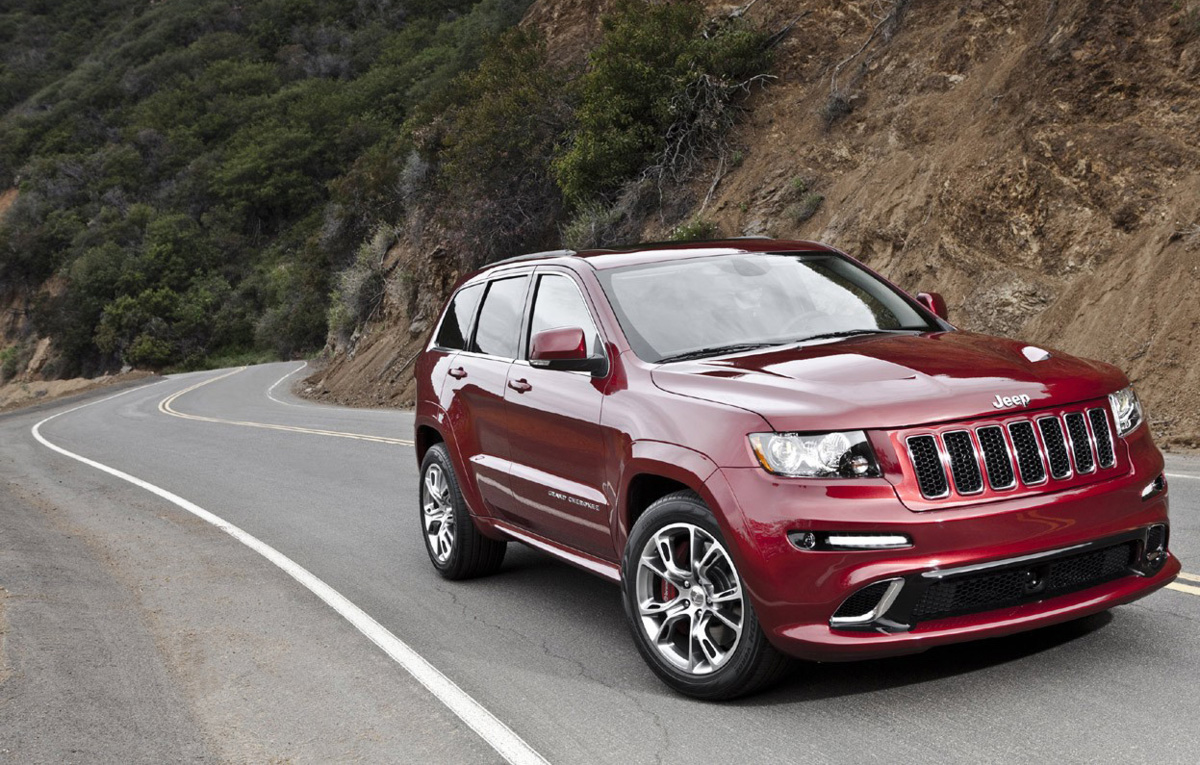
[456, 547]
[664, 595]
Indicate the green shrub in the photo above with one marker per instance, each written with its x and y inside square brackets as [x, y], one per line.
[835, 108]
[807, 207]
[592, 226]
[658, 92]
[495, 192]
[196, 147]
[360, 289]
[9, 365]
[694, 230]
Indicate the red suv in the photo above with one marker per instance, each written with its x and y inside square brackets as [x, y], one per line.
[776, 452]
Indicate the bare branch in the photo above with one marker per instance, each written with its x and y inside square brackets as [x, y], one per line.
[895, 7]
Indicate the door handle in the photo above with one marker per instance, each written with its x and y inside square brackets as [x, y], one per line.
[520, 386]
[458, 373]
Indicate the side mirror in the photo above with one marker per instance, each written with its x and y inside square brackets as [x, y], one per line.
[564, 348]
[934, 302]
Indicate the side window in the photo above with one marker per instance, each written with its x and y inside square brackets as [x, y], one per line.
[499, 329]
[456, 327]
[558, 303]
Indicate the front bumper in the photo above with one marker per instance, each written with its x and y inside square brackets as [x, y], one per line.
[796, 592]
[822, 643]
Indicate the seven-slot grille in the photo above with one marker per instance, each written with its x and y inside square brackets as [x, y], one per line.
[1028, 452]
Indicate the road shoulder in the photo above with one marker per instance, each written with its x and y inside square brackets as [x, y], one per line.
[179, 642]
[81, 677]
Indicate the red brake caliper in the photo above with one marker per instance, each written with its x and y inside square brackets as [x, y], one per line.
[667, 590]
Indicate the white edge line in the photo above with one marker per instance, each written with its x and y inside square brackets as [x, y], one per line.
[499, 736]
[271, 390]
[1182, 475]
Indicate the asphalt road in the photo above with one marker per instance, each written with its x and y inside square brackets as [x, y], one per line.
[134, 631]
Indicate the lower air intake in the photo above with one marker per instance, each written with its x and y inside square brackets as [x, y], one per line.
[862, 602]
[1156, 538]
[1011, 586]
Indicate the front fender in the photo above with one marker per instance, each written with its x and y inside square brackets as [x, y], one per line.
[678, 463]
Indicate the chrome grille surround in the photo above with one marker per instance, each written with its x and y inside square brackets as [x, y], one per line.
[1081, 442]
[1106, 454]
[1018, 452]
[1030, 463]
[925, 457]
[964, 461]
[1054, 439]
[997, 457]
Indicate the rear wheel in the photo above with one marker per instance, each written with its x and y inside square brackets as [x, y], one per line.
[690, 616]
[455, 546]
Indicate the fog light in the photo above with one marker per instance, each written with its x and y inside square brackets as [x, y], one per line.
[804, 539]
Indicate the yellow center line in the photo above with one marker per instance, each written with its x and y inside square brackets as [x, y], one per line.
[165, 406]
[1189, 577]
[1189, 589]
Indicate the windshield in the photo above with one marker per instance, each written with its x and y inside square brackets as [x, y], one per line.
[705, 306]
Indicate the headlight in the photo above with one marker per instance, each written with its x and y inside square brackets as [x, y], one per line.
[1126, 409]
[820, 455]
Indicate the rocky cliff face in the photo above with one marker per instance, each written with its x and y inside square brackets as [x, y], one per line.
[1034, 160]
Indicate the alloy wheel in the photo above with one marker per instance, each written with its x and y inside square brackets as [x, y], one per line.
[438, 513]
[689, 598]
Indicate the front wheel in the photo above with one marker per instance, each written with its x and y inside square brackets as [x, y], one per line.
[690, 616]
[455, 546]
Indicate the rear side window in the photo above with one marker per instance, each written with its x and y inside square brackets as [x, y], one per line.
[456, 327]
[499, 328]
[559, 304]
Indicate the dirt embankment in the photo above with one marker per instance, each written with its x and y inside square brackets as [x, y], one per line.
[18, 394]
[1033, 160]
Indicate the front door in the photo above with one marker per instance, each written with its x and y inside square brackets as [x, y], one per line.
[556, 450]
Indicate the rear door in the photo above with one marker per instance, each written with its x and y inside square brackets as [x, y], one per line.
[557, 449]
[475, 390]
[452, 336]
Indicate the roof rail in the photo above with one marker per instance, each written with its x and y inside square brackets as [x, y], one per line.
[536, 256]
[674, 243]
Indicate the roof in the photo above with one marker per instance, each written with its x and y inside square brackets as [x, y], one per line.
[650, 252]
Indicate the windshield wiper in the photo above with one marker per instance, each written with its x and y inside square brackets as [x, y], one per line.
[715, 350]
[852, 333]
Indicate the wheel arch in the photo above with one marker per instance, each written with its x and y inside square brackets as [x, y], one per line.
[654, 470]
[425, 436]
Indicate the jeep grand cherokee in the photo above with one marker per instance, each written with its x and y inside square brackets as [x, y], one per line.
[775, 452]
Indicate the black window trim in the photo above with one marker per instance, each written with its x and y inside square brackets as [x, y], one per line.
[527, 324]
[437, 331]
[491, 278]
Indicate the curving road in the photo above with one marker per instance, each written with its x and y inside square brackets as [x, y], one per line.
[135, 630]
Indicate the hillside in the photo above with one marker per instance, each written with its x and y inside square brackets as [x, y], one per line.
[191, 184]
[1034, 161]
[168, 169]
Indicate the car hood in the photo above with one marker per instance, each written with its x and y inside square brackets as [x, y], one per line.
[889, 381]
